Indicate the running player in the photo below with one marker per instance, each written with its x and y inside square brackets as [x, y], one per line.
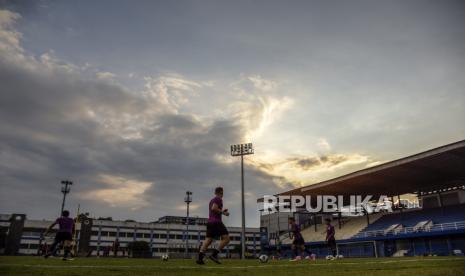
[297, 240]
[64, 235]
[215, 227]
[330, 239]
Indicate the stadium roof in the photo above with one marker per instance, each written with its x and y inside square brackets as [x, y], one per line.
[434, 169]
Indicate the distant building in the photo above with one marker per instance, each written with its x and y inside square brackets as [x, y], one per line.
[21, 236]
[182, 220]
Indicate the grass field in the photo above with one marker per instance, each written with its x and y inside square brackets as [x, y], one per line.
[93, 266]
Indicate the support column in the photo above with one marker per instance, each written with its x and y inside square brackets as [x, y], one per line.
[401, 210]
[151, 242]
[314, 222]
[430, 247]
[117, 237]
[413, 246]
[440, 202]
[254, 245]
[425, 245]
[98, 239]
[167, 240]
[449, 245]
[269, 226]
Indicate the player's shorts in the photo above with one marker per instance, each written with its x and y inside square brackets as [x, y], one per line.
[63, 236]
[332, 243]
[299, 241]
[216, 229]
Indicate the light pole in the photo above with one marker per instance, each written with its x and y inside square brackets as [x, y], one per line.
[65, 188]
[187, 200]
[241, 150]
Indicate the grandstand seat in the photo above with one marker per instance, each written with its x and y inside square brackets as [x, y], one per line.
[350, 227]
[419, 219]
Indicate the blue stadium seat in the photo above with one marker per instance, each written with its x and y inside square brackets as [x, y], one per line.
[411, 218]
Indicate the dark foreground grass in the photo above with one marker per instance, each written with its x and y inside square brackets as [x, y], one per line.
[107, 266]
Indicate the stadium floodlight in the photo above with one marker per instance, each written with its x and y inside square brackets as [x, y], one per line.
[187, 200]
[241, 150]
[65, 189]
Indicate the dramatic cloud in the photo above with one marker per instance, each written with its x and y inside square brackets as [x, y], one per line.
[105, 75]
[262, 84]
[298, 171]
[329, 161]
[120, 192]
[301, 170]
[137, 112]
[258, 104]
[131, 154]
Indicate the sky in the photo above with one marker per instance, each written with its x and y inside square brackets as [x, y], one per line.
[138, 101]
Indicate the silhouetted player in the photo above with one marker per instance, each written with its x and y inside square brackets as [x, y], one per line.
[330, 239]
[297, 240]
[64, 235]
[215, 227]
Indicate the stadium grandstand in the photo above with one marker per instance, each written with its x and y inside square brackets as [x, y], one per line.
[426, 190]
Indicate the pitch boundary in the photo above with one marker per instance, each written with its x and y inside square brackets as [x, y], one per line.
[307, 263]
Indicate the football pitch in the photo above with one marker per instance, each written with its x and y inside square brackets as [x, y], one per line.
[109, 266]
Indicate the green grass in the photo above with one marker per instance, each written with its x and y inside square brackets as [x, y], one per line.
[108, 266]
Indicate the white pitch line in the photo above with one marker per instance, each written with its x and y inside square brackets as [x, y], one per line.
[227, 267]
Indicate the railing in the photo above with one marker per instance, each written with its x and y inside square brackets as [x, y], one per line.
[31, 235]
[410, 230]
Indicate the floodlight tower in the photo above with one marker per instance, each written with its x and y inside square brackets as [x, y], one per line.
[187, 200]
[241, 150]
[65, 189]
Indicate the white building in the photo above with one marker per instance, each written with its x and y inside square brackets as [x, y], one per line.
[95, 236]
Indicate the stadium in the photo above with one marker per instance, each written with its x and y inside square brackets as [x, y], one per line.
[434, 178]
[431, 233]
[232, 137]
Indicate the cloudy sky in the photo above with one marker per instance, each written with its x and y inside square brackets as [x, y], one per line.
[138, 101]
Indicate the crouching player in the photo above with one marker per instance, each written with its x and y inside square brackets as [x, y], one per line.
[298, 241]
[215, 227]
[64, 235]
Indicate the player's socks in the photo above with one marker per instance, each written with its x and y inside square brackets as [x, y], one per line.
[294, 253]
[214, 256]
[67, 251]
[200, 258]
[50, 253]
